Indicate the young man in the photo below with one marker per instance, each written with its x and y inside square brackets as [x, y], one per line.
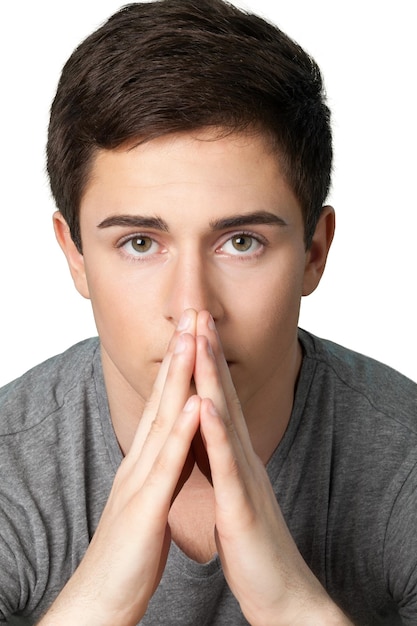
[203, 461]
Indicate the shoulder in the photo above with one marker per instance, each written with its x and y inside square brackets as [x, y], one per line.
[360, 438]
[55, 475]
[41, 391]
[361, 380]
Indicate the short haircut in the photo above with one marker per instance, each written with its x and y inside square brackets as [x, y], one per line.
[172, 66]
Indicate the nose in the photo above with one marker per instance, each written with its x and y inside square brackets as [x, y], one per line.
[192, 283]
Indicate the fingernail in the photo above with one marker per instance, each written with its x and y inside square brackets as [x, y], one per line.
[180, 345]
[210, 350]
[184, 322]
[190, 404]
[212, 409]
[211, 323]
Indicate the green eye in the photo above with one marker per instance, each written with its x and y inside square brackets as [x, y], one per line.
[242, 243]
[141, 244]
[139, 247]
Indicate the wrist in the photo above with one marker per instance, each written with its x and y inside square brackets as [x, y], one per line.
[84, 607]
[70, 615]
[320, 611]
[329, 615]
[317, 610]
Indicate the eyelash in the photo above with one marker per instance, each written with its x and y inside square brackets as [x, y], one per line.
[122, 242]
[254, 236]
[241, 257]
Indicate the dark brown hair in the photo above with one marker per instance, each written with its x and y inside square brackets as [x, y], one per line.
[178, 65]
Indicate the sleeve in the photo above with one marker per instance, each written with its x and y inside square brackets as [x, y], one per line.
[22, 581]
[15, 567]
[400, 546]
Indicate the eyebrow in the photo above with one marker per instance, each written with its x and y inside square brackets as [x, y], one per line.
[157, 223]
[258, 217]
[137, 221]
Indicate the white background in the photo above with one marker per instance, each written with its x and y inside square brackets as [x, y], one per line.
[367, 52]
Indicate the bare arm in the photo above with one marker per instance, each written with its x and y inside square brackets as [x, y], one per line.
[261, 562]
[126, 557]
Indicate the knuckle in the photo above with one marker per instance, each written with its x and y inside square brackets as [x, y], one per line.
[157, 426]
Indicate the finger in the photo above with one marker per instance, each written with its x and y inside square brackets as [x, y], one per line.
[174, 396]
[209, 387]
[227, 460]
[207, 376]
[160, 486]
[206, 327]
[187, 324]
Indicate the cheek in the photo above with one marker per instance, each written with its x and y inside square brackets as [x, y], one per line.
[127, 335]
[113, 306]
[119, 312]
[276, 295]
[270, 315]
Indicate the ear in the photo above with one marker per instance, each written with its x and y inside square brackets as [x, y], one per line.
[74, 258]
[316, 255]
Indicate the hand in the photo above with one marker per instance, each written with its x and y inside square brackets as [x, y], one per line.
[261, 562]
[126, 557]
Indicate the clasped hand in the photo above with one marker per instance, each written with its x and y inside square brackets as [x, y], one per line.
[127, 555]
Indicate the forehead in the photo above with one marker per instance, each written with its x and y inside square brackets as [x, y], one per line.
[201, 171]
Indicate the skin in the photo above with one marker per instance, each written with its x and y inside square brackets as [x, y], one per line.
[198, 324]
[190, 182]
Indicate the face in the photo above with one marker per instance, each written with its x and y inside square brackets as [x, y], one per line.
[193, 221]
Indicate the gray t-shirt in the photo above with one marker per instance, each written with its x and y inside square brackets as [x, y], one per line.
[345, 475]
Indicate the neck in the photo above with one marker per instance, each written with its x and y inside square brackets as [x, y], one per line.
[268, 412]
[125, 405]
